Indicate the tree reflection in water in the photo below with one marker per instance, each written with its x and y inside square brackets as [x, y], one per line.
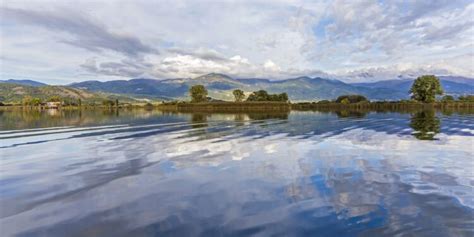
[350, 114]
[198, 120]
[425, 124]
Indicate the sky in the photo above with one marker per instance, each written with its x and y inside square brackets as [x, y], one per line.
[65, 41]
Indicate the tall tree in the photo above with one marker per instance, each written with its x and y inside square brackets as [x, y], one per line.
[198, 93]
[425, 89]
[239, 95]
[260, 95]
[283, 97]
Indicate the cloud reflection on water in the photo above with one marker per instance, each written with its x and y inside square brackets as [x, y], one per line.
[308, 173]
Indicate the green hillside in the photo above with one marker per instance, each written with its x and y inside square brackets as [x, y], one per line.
[14, 94]
[221, 86]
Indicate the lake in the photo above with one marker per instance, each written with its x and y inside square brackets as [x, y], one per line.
[299, 173]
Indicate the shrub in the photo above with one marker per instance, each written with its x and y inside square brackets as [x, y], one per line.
[324, 102]
[345, 101]
[262, 95]
[108, 103]
[351, 99]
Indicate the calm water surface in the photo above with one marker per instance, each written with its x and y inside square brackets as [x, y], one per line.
[152, 173]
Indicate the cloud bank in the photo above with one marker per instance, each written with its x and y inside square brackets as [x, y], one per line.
[349, 40]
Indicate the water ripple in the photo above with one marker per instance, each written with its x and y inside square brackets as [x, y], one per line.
[304, 173]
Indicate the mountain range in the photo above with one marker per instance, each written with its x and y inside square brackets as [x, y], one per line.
[24, 82]
[16, 92]
[299, 89]
[220, 86]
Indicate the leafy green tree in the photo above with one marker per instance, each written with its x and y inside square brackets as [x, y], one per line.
[425, 89]
[351, 99]
[345, 101]
[283, 97]
[239, 95]
[262, 95]
[273, 97]
[198, 93]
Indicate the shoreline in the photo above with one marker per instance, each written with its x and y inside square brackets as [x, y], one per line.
[228, 106]
[241, 107]
[385, 106]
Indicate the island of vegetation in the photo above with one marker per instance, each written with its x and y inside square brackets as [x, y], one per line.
[259, 100]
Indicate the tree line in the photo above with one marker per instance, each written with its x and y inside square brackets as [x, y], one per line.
[199, 93]
[35, 101]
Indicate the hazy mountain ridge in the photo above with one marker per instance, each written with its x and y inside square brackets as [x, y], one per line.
[220, 86]
[451, 85]
[14, 93]
[24, 82]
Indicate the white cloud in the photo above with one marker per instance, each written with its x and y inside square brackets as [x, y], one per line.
[276, 39]
[271, 66]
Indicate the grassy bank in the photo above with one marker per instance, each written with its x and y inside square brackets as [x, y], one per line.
[242, 107]
[227, 106]
[383, 105]
[74, 107]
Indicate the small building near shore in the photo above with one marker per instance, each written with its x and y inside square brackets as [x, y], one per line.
[53, 105]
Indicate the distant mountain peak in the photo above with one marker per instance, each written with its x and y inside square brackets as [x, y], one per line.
[303, 78]
[24, 82]
[365, 75]
[214, 75]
